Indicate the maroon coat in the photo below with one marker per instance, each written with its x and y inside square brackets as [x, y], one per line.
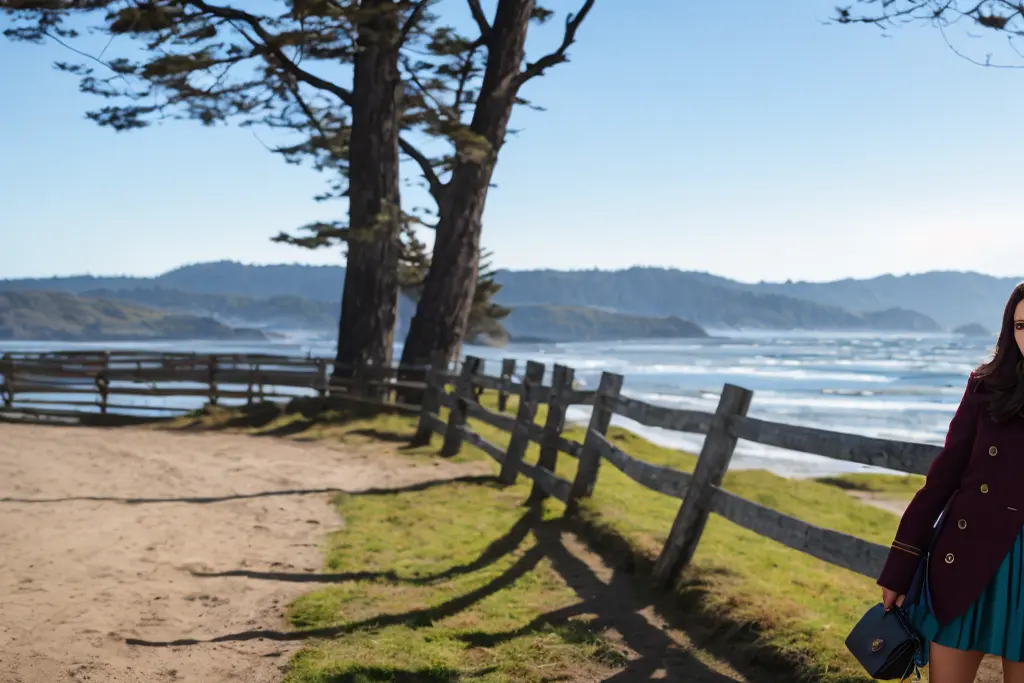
[981, 468]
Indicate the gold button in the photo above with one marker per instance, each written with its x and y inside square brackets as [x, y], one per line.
[962, 524]
[984, 488]
[992, 450]
[949, 558]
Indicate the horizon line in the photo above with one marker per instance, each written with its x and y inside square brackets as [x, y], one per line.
[520, 270]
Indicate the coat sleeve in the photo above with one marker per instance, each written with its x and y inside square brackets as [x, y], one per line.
[917, 526]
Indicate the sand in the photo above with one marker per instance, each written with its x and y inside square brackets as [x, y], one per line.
[110, 535]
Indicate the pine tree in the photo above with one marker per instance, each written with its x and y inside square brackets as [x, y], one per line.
[467, 88]
[219, 63]
[282, 69]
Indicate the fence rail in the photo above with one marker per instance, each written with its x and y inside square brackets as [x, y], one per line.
[78, 384]
[701, 492]
[58, 384]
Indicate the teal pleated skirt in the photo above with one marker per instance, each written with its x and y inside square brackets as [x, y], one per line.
[994, 624]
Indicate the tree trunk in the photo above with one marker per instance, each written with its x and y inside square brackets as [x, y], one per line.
[370, 299]
[442, 315]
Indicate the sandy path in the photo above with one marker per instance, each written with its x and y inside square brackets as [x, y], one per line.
[80, 576]
[896, 506]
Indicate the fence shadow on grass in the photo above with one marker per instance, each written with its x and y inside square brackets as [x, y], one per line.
[496, 550]
[620, 601]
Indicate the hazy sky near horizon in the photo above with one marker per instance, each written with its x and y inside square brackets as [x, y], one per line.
[743, 138]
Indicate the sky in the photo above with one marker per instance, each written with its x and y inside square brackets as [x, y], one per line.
[745, 138]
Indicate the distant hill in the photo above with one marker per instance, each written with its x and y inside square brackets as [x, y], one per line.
[952, 298]
[695, 296]
[973, 330]
[927, 302]
[548, 323]
[286, 311]
[62, 316]
[318, 283]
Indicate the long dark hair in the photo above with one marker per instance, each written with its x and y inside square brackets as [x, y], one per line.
[1003, 376]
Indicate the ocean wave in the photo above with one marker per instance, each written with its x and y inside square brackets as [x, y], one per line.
[773, 400]
[750, 371]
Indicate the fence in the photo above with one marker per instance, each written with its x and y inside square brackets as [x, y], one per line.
[701, 491]
[99, 384]
[36, 384]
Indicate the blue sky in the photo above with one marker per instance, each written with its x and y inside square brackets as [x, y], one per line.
[743, 138]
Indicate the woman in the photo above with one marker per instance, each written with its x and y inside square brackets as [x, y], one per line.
[973, 597]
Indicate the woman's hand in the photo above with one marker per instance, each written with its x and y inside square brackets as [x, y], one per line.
[890, 598]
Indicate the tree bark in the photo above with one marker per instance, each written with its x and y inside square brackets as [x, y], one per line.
[442, 315]
[369, 302]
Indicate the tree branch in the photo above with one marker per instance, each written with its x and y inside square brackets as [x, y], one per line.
[480, 18]
[412, 21]
[414, 78]
[429, 174]
[231, 14]
[572, 24]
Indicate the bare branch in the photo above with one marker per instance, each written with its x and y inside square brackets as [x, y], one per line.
[414, 78]
[98, 60]
[465, 74]
[480, 18]
[572, 24]
[412, 21]
[437, 188]
[1004, 16]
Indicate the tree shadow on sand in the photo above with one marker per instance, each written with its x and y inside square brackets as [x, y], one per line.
[306, 414]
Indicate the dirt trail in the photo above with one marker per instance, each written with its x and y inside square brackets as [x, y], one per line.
[896, 506]
[109, 535]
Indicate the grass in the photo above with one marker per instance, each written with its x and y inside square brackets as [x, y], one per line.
[748, 599]
[459, 575]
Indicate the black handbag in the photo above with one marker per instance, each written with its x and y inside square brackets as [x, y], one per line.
[885, 643]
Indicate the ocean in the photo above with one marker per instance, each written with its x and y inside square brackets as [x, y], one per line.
[892, 386]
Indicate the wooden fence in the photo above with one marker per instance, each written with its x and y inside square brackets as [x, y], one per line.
[90, 383]
[81, 384]
[701, 492]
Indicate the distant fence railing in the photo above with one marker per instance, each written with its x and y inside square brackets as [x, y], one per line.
[79, 384]
[59, 384]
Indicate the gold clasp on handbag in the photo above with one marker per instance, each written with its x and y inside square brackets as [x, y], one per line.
[877, 644]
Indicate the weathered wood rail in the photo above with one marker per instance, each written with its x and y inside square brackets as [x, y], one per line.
[701, 491]
[96, 383]
[76, 384]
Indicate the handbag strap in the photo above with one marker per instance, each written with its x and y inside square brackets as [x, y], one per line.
[914, 592]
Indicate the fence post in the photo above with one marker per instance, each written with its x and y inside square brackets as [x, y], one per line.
[212, 369]
[8, 372]
[699, 496]
[590, 455]
[524, 422]
[259, 380]
[431, 405]
[508, 371]
[103, 383]
[561, 385]
[248, 388]
[457, 414]
[321, 378]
